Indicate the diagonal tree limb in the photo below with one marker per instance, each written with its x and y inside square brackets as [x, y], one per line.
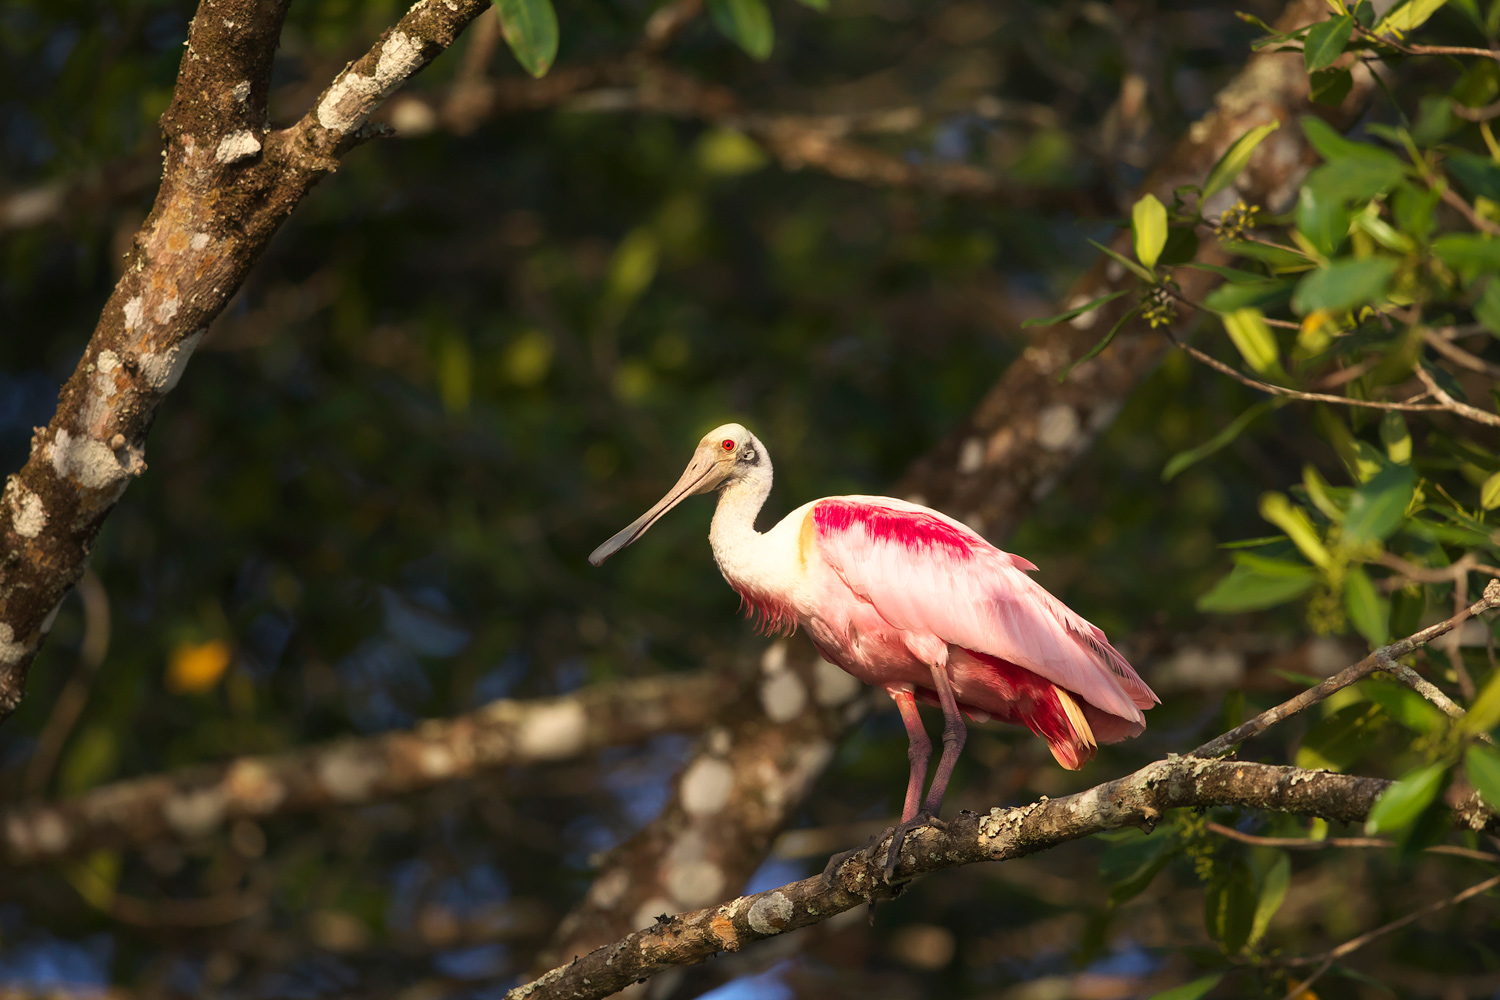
[1032, 430]
[196, 801]
[1140, 799]
[227, 186]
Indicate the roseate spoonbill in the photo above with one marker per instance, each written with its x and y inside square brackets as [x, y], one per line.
[909, 599]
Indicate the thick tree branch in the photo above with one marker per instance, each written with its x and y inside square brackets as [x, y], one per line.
[1139, 799]
[227, 186]
[198, 800]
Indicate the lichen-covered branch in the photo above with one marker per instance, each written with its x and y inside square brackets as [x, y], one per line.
[1028, 430]
[1139, 799]
[227, 185]
[198, 800]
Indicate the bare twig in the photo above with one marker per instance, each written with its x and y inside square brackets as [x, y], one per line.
[1483, 114]
[1308, 844]
[1459, 356]
[1384, 658]
[1280, 390]
[1354, 944]
[1453, 405]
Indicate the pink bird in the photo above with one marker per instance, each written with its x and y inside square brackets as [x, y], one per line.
[911, 600]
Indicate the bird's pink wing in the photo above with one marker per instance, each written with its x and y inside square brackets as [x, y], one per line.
[927, 573]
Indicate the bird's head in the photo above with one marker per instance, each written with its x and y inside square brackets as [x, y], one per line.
[725, 454]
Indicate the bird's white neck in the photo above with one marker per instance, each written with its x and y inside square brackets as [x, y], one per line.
[735, 541]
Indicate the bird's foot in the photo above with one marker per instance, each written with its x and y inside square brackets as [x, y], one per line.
[898, 836]
[830, 869]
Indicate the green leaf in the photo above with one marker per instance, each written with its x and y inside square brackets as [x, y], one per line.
[1250, 587]
[1484, 713]
[1149, 221]
[1344, 284]
[1378, 507]
[1323, 219]
[1292, 519]
[1364, 13]
[1408, 17]
[1477, 174]
[1326, 41]
[1470, 254]
[1400, 804]
[1254, 340]
[1368, 611]
[1074, 312]
[1129, 864]
[1356, 178]
[1234, 160]
[1126, 262]
[1229, 906]
[1101, 345]
[1233, 275]
[1263, 294]
[1336, 149]
[1330, 503]
[746, 23]
[1279, 258]
[530, 29]
[1404, 706]
[818, 5]
[1407, 606]
[1195, 990]
[1396, 437]
[1487, 308]
[1273, 886]
[1482, 768]
[1329, 87]
[1192, 456]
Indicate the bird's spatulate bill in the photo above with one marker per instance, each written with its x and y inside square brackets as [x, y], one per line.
[702, 474]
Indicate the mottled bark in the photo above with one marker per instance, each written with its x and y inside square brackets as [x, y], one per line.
[227, 185]
[1029, 430]
[751, 769]
[198, 800]
[1140, 799]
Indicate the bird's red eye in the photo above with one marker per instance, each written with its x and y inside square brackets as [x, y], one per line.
[727, 444]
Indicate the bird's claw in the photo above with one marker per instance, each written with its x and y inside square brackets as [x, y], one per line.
[898, 836]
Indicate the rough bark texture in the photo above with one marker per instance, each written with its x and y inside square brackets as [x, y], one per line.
[1033, 427]
[196, 801]
[1139, 799]
[227, 185]
[1028, 430]
[750, 770]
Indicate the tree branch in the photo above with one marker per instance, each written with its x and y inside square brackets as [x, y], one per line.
[227, 186]
[198, 800]
[1139, 799]
[1385, 658]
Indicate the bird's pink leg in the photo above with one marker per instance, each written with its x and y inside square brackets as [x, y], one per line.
[954, 735]
[919, 752]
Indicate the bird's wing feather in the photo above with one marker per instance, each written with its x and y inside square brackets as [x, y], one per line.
[926, 572]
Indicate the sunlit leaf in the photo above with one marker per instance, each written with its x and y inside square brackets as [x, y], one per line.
[1280, 511]
[1396, 437]
[196, 667]
[1149, 221]
[530, 29]
[1400, 804]
[747, 23]
[1484, 714]
[1253, 338]
[1408, 17]
[1326, 41]
[1234, 159]
[1136, 269]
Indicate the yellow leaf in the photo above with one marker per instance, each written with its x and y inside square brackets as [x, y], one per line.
[1489, 493]
[725, 152]
[196, 667]
[1149, 218]
[1277, 509]
[1256, 343]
